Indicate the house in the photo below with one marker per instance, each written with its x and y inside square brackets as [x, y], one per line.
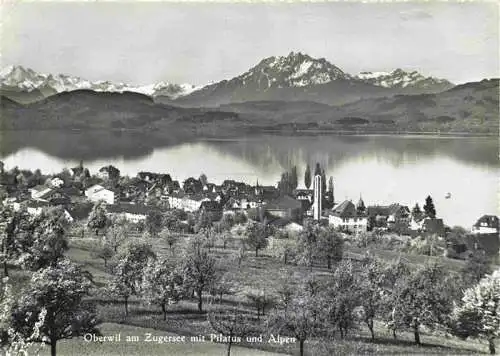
[242, 202]
[486, 224]
[213, 208]
[7, 179]
[303, 194]
[390, 216]
[39, 191]
[130, 212]
[489, 243]
[192, 186]
[162, 179]
[267, 192]
[285, 207]
[76, 171]
[287, 225]
[186, 202]
[433, 227]
[56, 182]
[97, 193]
[35, 208]
[345, 216]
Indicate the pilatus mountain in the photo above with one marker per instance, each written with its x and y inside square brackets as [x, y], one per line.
[299, 77]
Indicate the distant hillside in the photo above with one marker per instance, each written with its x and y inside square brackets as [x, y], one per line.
[86, 109]
[468, 107]
[471, 107]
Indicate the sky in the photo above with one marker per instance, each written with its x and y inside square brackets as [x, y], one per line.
[142, 43]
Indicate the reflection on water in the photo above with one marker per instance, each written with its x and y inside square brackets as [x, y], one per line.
[381, 169]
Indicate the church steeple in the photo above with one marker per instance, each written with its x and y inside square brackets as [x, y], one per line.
[360, 207]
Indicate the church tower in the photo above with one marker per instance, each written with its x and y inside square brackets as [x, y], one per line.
[360, 207]
[318, 198]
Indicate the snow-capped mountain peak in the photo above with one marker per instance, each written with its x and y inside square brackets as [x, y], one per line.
[399, 78]
[294, 70]
[26, 79]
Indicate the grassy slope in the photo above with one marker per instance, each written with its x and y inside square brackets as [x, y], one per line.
[267, 273]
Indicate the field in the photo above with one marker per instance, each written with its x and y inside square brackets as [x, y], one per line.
[255, 273]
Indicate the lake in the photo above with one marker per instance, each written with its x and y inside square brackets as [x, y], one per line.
[381, 169]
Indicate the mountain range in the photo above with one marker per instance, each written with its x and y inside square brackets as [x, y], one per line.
[26, 85]
[294, 92]
[295, 77]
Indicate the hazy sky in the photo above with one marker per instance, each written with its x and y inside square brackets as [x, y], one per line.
[142, 43]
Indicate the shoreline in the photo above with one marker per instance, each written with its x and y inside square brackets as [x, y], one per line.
[306, 132]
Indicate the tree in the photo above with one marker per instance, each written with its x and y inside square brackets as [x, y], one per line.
[154, 222]
[330, 184]
[127, 271]
[114, 173]
[224, 237]
[116, 235]
[171, 238]
[260, 300]
[11, 341]
[423, 298]
[307, 177]
[162, 284]
[203, 179]
[98, 219]
[203, 222]
[429, 209]
[330, 245]
[227, 222]
[240, 218]
[478, 314]
[371, 284]
[294, 180]
[341, 297]
[476, 267]
[232, 323]
[60, 290]
[299, 319]
[307, 243]
[284, 249]
[286, 291]
[199, 270]
[317, 169]
[416, 213]
[323, 182]
[222, 285]
[256, 236]
[7, 238]
[105, 252]
[49, 240]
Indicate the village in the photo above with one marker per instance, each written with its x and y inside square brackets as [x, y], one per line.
[283, 207]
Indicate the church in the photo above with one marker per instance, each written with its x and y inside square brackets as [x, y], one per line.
[345, 216]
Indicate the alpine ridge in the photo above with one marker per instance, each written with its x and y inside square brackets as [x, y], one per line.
[300, 77]
[294, 77]
[16, 79]
[402, 79]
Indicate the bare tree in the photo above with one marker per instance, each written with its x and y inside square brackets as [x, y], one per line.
[232, 323]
